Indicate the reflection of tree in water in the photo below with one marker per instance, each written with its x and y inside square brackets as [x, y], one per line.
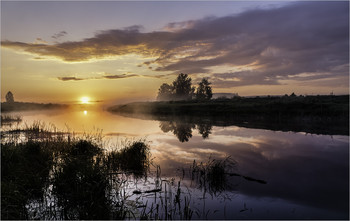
[183, 130]
[204, 130]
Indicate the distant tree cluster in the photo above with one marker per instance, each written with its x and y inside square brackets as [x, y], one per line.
[182, 89]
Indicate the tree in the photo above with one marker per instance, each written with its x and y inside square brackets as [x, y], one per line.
[204, 91]
[183, 87]
[165, 92]
[9, 97]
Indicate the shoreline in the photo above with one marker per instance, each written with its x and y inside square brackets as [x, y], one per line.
[312, 114]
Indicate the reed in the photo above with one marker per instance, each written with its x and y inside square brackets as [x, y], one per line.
[48, 174]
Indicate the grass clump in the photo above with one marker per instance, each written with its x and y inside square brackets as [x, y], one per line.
[80, 183]
[24, 175]
[134, 158]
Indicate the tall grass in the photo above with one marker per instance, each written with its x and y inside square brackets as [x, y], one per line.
[42, 162]
[48, 174]
[135, 158]
[212, 175]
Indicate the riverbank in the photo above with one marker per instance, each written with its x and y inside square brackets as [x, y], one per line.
[330, 106]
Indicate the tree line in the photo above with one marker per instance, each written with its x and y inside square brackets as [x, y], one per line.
[182, 89]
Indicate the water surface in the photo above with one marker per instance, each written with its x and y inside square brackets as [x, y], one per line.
[307, 175]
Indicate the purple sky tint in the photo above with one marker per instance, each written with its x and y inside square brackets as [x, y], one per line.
[245, 47]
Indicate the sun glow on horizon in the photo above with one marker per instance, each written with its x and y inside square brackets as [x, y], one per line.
[84, 100]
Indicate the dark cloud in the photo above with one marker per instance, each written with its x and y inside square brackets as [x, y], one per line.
[113, 77]
[159, 76]
[119, 76]
[59, 35]
[105, 76]
[279, 43]
[70, 79]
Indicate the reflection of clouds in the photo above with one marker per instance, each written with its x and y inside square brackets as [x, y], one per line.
[231, 140]
[169, 149]
[301, 168]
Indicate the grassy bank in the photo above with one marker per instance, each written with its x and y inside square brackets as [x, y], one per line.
[267, 106]
[312, 114]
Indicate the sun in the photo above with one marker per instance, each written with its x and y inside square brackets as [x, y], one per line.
[84, 100]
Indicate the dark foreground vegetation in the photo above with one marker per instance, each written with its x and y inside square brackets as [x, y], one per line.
[311, 114]
[24, 106]
[47, 174]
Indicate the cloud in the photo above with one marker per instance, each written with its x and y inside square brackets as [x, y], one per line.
[178, 26]
[243, 78]
[159, 76]
[119, 76]
[70, 79]
[113, 77]
[105, 76]
[277, 44]
[59, 35]
[40, 41]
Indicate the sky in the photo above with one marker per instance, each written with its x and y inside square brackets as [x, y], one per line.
[117, 51]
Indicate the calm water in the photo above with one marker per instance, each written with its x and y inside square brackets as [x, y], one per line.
[307, 175]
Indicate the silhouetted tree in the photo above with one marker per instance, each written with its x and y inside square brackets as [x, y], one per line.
[165, 92]
[182, 87]
[204, 91]
[9, 97]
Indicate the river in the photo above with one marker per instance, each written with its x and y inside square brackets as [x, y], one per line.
[306, 176]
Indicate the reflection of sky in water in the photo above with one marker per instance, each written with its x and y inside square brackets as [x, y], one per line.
[305, 173]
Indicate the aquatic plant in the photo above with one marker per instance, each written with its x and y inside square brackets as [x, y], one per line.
[212, 175]
[134, 158]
